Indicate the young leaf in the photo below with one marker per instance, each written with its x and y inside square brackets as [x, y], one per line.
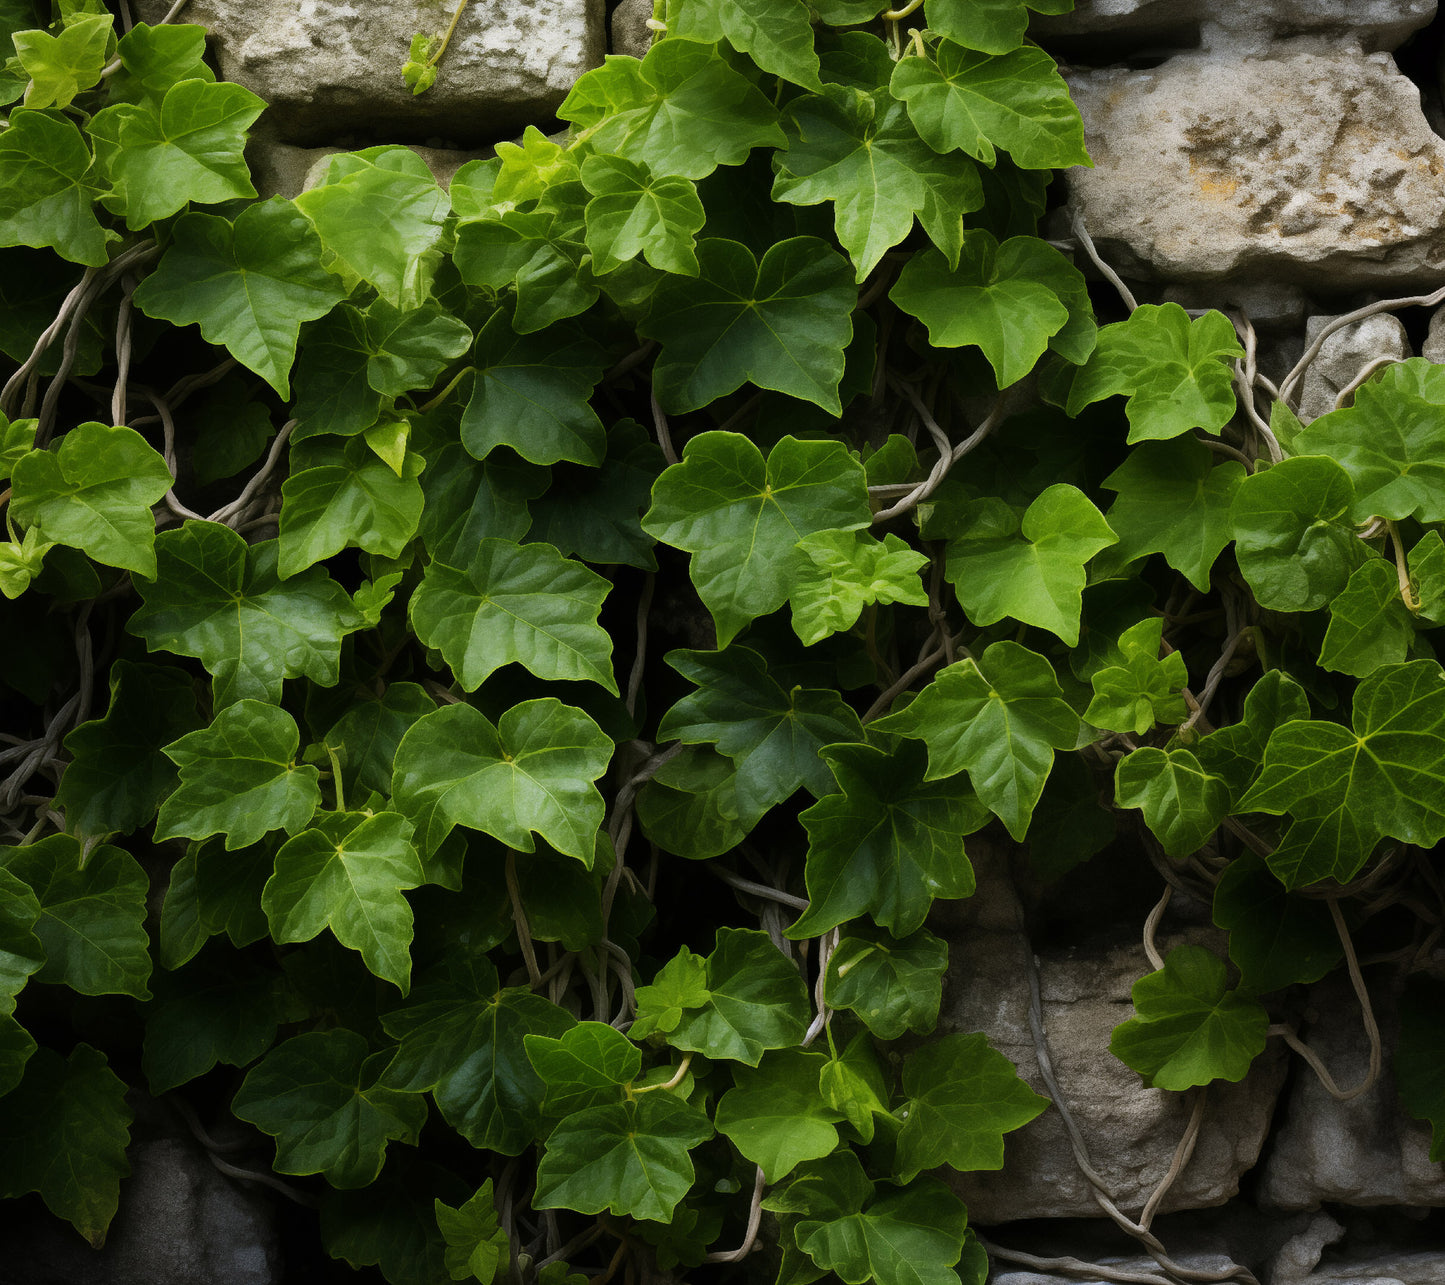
[1182, 803]
[775, 1115]
[94, 492]
[477, 1247]
[777, 33]
[1275, 940]
[852, 1085]
[842, 572]
[911, 1237]
[888, 844]
[892, 985]
[320, 1097]
[1189, 1028]
[1144, 690]
[1345, 789]
[963, 1096]
[222, 601]
[1370, 625]
[48, 183]
[533, 771]
[1419, 1063]
[992, 26]
[1000, 719]
[240, 778]
[633, 212]
[248, 285]
[585, 1066]
[680, 984]
[63, 65]
[740, 518]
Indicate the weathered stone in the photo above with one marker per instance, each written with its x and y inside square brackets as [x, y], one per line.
[332, 68]
[1433, 349]
[280, 169]
[1269, 305]
[1131, 1131]
[630, 33]
[1203, 1263]
[1314, 168]
[1388, 1269]
[1344, 355]
[1362, 1152]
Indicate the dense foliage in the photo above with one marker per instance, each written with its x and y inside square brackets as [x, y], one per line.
[534, 829]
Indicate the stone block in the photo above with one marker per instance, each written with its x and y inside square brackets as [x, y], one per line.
[1344, 355]
[1433, 349]
[630, 33]
[279, 169]
[331, 69]
[1316, 168]
[1387, 1269]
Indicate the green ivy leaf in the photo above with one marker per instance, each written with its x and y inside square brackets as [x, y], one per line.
[892, 985]
[21, 562]
[48, 183]
[94, 492]
[993, 26]
[63, 1134]
[842, 572]
[773, 736]
[92, 915]
[911, 1237]
[1427, 576]
[214, 891]
[888, 844]
[1144, 690]
[63, 65]
[16, 1048]
[680, 984]
[852, 1084]
[963, 1096]
[1175, 500]
[319, 1096]
[690, 806]
[533, 771]
[21, 951]
[975, 102]
[541, 253]
[153, 59]
[477, 1247]
[1000, 719]
[1345, 789]
[1275, 939]
[1182, 803]
[683, 110]
[1189, 1028]
[585, 1066]
[248, 285]
[741, 517]
[369, 732]
[633, 212]
[1174, 370]
[462, 1040]
[240, 778]
[222, 601]
[775, 1114]
[777, 33]
[1370, 625]
[1419, 1062]
[1236, 752]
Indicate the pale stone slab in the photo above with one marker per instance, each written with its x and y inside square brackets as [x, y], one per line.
[1344, 355]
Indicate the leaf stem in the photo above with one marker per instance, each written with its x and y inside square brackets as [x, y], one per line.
[672, 1083]
[1402, 568]
[519, 918]
[446, 392]
[336, 777]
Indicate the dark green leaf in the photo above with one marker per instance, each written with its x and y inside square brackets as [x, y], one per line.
[1275, 939]
[1419, 1063]
[1236, 752]
[21, 953]
[369, 732]
[690, 806]
[477, 1247]
[892, 985]
[1370, 625]
[776, 1115]
[1182, 802]
[911, 1237]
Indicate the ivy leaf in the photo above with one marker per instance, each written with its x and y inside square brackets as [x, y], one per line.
[319, 1096]
[48, 183]
[380, 212]
[92, 915]
[1000, 719]
[531, 393]
[1189, 1028]
[1236, 752]
[680, 984]
[859, 150]
[94, 492]
[240, 778]
[633, 212]
[16, 1048]
[186, 148]
[1389, 443]
[911, 1237]
[690, 806]
[852, 1084]
[1419, 1062]
[1294, 537]
[340, 496]
[63, 65]
[533, 771]
[1345, 789]
[477, 1247]
[756, 1001]
[516, 602]
[777, 33]
[974, 102]
[741, 517]
[21, 562]
[1182, 803]
[17, 440]
[992, 26]
[585, 1066]
[682, 110]
[541, 253]
[775, 1114]
[63, 1134]
[248, 285]
[347, 872]
[461, 1039]
[222, 601]
[1275, 939]
[1427, 576]
[214, 891]
[892, 985]
[773, 736]
[369, 732]
[888, 844]
[1370, 625]
[155, 58]
[21, 952]
[963, 1096]
[1174, 370]
[842, 572]
[628, 1157]
[1175, 500]
[1009, 299]
[1144, 690]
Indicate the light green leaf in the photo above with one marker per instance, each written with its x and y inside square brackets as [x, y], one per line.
[540, 253]
[680, 984]
[775, 1115]
[633, 212]
[155, 58]
[585, 1066]
[21, 562]
[1427, 576]
[63, 65]
[477, 1247]
[222, 601]
[1144, 690]
[320, 1097]
[842, 572]
[17, 439]
[892, 985]
[993, 26]
[95, 492]
[533, 771]
[741, 517]
[1182, 803]
[240, 778]
[1275, 939]
[777, 33]
[48, 183]
[852, 1084]
[1189, 1028]
[1370, 625]
[249, 286]
[910, 1237]
[888, 843]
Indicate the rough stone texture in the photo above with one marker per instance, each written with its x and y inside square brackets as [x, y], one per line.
[1196, 1262]
[1344, 355]
[630, 33]
[331, 69]
[1391, 1269]
[1311, 167]
[1433, 349]
[279, 169]
[1131, 1131]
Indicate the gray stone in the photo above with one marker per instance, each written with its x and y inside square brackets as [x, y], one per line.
[1387, 1269]
[332, 68]
[630, 33]
[1362, 1152]
[1211, 167]
[1433, 349]
[1344, 355]
[1203, 1263]
[280, 169]
[1269, 305]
